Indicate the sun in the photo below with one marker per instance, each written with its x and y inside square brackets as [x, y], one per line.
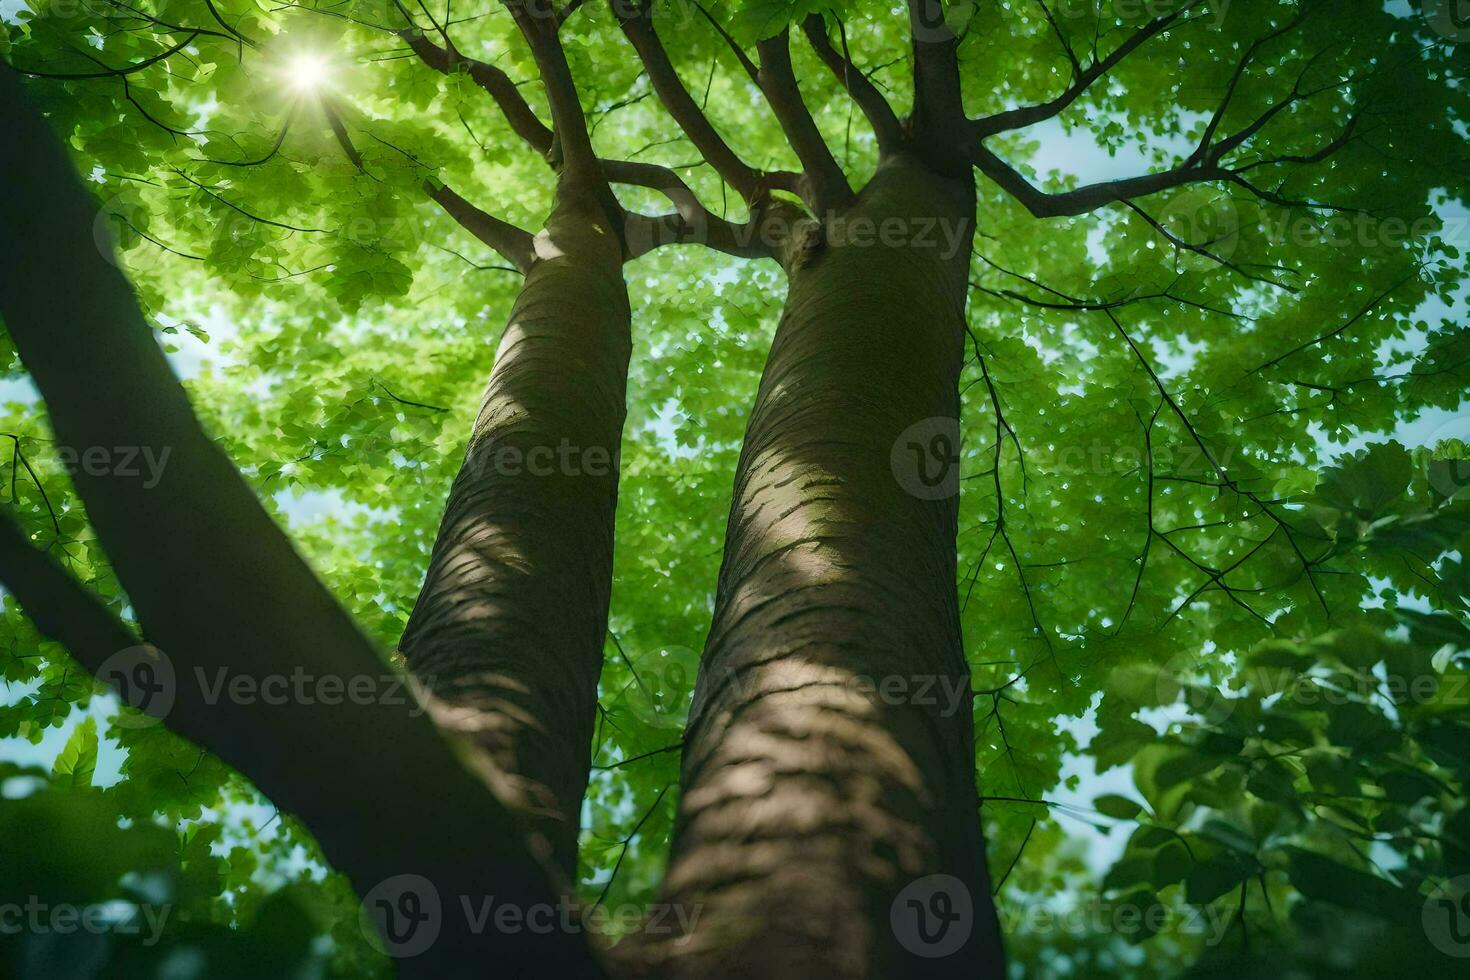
[307, 72]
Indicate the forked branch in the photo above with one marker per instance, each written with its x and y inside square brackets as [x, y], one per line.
[827, 183]
[859, 86]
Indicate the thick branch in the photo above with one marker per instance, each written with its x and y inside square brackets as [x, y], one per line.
[939, 113]
[567, 119]
[108, 72]
[828, 183]
[518, 113]
[751, 68]
[1027, 115]
[871, 101]
[691, 222]
[648, 232]
[513, 244]
[1089, 197]
[637, 25]
[220, 590]
[58, 605]
[1202, 165]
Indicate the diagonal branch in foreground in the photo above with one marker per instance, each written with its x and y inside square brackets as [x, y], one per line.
[220, 589]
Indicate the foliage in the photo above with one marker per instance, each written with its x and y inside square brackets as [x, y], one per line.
[1193, 615]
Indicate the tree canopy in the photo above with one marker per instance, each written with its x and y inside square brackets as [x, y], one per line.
[1213, 507]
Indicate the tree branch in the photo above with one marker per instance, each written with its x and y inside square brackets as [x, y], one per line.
[824, 176]
[690, 223]
[513, 244]
[1027, 115]
[493, 79]
[637, 26]
[939, 113]
[58, 605]
[219, 588]
[751, 68]
[875, 107]
[568, 122]
[1202, 165]
[1089, 197]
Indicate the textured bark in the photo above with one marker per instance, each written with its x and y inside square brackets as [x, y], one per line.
[508, 629]
[811, 798]
[218, 587]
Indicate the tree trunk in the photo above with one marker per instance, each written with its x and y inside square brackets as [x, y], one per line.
[218, 588]
[508, 629]
[829, 763]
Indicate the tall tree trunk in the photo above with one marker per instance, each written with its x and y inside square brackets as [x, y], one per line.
[218, 588]
[829, 764]
[508, 629]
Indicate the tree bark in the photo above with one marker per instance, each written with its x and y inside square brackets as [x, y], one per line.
[509, 627]
[218, 588]
[829, 762]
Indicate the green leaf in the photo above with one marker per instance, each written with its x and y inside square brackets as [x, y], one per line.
[78, 759]
[1326, 880]
[1117, 807]
[1214, 877]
